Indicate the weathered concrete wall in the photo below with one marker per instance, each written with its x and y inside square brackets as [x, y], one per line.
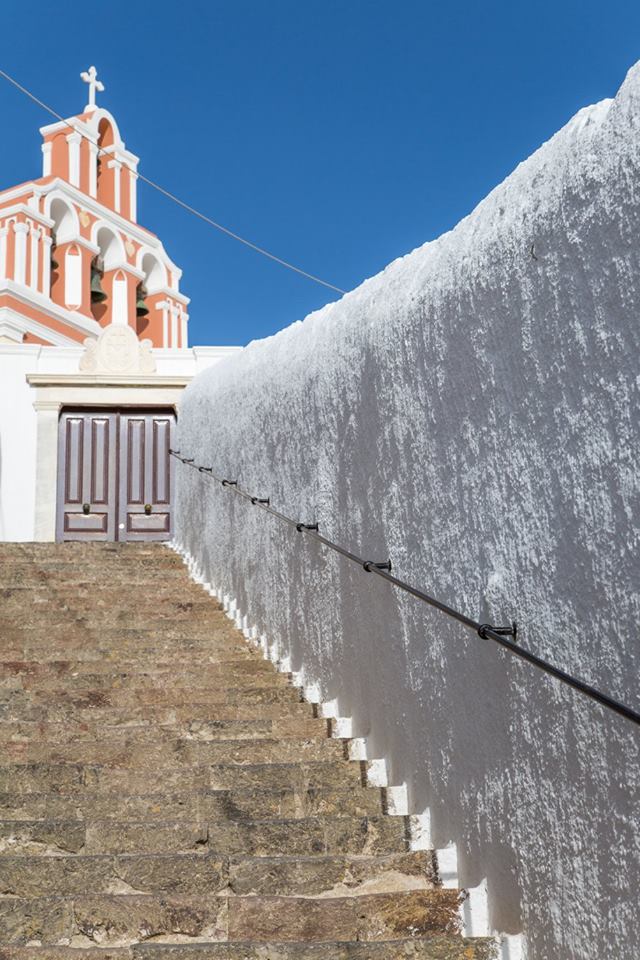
[471, 412]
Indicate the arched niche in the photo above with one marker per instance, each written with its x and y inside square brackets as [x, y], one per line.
[154, 270]
[66, 228]
[106, 134]
[102, 124]
[112, 252]
[65, 218]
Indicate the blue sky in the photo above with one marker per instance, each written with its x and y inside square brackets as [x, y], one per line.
[339, 134]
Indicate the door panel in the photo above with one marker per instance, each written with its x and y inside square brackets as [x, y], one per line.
[146, 476]
[87, 476]
[115, 475]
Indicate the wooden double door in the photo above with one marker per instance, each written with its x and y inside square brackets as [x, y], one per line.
[115, 474]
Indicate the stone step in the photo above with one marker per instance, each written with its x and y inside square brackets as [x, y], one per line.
[125, 919]
[262, 838]
[77, 562]
[196, 677]
[28, 877]
[433, 948]
[132, 753]
[367, 917]
[187, 873]
[165, 791]
[218, 630]
[199, 805]
[19, 707]
[71, 669]
[85, 586]
[62, 703]
[76, 778]
[114, 618]
[85, 648]
[108, 608]
[295, 728]
[56, 582]
[103, 921]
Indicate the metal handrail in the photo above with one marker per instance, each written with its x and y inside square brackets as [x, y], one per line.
[505, 636]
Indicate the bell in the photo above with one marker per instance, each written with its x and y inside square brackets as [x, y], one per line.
[142, 309]
[97, 293]
[54, 244]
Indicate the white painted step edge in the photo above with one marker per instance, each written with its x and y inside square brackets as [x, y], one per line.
[474, 911]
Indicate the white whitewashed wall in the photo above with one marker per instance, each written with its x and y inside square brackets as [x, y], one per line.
[471, 412]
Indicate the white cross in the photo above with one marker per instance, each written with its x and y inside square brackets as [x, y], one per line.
[90, 76]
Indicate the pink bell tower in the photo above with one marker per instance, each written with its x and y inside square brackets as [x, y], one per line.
[73, 258]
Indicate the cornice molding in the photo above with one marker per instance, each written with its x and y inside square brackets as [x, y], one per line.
[28, 211]
[77, 321]
[152, 380]
[21, 324]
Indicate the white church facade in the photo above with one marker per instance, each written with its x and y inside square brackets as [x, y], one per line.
[94, 347]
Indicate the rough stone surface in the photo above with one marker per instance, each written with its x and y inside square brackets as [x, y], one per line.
[471, 412]
[159, 789]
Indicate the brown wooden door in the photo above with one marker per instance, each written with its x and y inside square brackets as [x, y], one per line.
[146, 475]
[87, 476]
[115, 475]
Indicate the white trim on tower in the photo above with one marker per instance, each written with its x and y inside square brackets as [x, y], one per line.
[133, 194]
[46, 265]
[116, 166]
[73, 277]
[3, 252]
[74, 139]
[93, 169]
[20, 231]
[47, 148]
[22, 324]
[35, 233]
[77, 321]
[119, 299]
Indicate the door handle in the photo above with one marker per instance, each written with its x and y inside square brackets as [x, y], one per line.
[147, 508]
[86, 508]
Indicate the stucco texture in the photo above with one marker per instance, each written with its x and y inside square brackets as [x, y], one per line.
[471, 412]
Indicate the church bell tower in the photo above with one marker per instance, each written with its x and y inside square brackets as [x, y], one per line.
[73, 258]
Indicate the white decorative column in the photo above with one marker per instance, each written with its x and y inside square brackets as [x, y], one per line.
[174, 325]
[46, 469]
[185, 340]
[164, 306]
[116, 166]
[35, 256]
[74, 140]
[119, 300]
[46, 265]
[93, 169]
[20, 257]
[133, 194]
[3, 252]
[73, 277]
[46, 158]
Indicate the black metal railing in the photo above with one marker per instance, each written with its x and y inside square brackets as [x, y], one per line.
[505, 636]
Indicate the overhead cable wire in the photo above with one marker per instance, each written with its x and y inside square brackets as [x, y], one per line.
[171, 196]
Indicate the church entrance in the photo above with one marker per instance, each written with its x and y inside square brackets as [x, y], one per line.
[115, 474]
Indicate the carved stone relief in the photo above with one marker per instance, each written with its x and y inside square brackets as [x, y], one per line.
[117, 351]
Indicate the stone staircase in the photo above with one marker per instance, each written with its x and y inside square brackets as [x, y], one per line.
[165, 794]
